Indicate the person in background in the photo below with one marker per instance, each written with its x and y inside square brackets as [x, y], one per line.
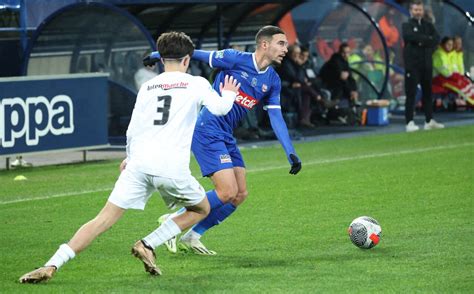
[458, 56]
[147, 72]
[294, 81]
[446, 72]
[421, 38]
[337, 78]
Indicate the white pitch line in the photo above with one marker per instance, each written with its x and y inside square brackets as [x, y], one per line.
[306, 163]
[366, 156]
[55, 196]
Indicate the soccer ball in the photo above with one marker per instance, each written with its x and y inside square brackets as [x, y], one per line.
[365, 232]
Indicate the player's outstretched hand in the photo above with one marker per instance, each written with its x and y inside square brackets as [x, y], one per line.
[295, 164]
[230, 84]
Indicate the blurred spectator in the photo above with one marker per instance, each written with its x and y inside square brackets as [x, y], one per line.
[295, 86]
[446, 74]
[421, 38]
[389, 30]
[147, 72]
[337, 78]
[442, 58]
[396, 79]
[313, 85]
[429, 15]
[373, 69]
[458, 56]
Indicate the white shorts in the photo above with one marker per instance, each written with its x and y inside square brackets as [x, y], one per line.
[134, 188]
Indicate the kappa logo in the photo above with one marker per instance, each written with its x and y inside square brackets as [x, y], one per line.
[225, 158]
[245, 100]
[34, 118]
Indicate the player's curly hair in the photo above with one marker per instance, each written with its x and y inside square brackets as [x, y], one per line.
[174, 45]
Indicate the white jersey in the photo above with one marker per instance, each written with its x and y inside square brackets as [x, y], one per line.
[162, 124]
[143, 75]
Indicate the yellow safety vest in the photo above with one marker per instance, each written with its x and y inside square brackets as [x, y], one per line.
[442, 63]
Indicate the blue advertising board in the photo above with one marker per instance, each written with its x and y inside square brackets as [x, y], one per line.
[47, 113]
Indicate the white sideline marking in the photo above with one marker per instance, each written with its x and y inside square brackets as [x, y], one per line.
[55, 196]
[366, 156]
[306, 163]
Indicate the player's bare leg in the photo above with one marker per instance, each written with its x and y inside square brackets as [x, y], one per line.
[108, 216]
[144, 249]
[240, 176]
[234, 181]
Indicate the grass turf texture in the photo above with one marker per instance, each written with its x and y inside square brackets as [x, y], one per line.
[289, 236]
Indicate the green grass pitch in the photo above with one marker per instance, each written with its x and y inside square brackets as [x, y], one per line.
[290, 236]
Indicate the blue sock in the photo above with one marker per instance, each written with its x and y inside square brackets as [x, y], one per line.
[215, 217]
[214, 200]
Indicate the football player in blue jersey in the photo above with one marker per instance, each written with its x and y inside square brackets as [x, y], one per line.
[213, 144]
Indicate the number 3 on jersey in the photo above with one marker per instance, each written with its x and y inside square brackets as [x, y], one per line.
[164, 110]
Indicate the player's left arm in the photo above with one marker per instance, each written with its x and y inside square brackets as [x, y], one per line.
[224, 59]
[280, 129]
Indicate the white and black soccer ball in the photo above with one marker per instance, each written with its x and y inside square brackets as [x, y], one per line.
[365, 232]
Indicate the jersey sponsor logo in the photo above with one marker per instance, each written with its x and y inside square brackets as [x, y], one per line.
[179, 85]
[225, 158]
[34, 118]
[264, 88]
[245, 100]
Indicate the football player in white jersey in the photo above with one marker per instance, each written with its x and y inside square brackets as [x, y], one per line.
[158, 154]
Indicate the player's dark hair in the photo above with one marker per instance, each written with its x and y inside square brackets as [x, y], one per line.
[304, 48]
[292, 48]
[342, 47]
[416, 2]
[266, 33]
[174, 45]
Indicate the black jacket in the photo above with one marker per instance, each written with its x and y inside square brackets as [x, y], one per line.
[421, 39]
[331, 73]
[291, 72]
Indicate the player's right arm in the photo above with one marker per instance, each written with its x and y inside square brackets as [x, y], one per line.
[224, 59]
[216, 104]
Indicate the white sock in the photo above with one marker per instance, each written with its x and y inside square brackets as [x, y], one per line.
[166, 231]
[191, 235]
[62, 255]
[177, 212]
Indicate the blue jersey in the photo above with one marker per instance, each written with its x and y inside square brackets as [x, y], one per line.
[256, 87]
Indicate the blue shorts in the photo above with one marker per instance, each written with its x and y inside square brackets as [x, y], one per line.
[215, 151]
